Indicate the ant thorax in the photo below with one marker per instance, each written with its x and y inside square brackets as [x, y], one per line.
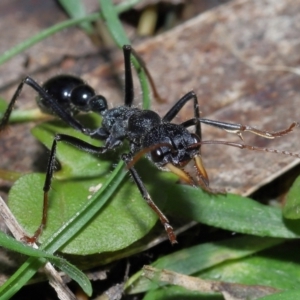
[128, 123]
[115, 120]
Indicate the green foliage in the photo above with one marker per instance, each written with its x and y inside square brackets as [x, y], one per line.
[95, 208]
[232, 212]
[203, 257]
[65, 266]
[291, 208]
[294, 294]
[76, 9]
[244, 260]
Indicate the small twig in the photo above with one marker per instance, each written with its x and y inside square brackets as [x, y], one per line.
[232, 291]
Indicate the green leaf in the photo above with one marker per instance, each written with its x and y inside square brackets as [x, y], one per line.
[10, 243]
[126, 219]
[177, 292]
[201, 257]
[295, 294]
[268, 268]
[3, 106]
[231, 212]
[291, 209]
[63, 235]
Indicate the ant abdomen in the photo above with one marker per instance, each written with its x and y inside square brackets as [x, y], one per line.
[71, 92]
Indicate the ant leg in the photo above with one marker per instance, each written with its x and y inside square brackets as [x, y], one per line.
[129, 93]
[57, 109]
[4, 121]
[84, 146]
[239, 128]
[172, 237]
[178, 106]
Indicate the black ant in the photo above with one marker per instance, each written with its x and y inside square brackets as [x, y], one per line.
[169, 146]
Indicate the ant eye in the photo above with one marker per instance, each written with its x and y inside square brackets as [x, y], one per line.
[196, 138]
[157, 155]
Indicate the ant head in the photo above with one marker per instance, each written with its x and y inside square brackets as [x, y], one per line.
[171, 144]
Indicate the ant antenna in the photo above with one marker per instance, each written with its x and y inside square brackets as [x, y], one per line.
[245, 146]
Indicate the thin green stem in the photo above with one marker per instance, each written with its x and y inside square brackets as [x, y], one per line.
[58, 27]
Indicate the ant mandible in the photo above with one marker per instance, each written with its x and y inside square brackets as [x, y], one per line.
[169, 146]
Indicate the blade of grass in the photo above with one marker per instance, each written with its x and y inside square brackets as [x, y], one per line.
[110, 15]
[291, 209]
[29, 115]
[76, 9]
[10, 175]
[58, 27]
[12, 244]
[293, 294]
